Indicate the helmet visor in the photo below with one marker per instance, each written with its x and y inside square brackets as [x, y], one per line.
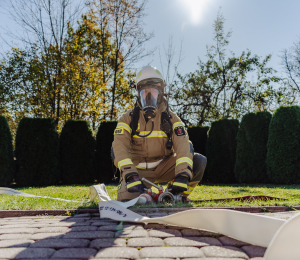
[158, 83]
[149, 97]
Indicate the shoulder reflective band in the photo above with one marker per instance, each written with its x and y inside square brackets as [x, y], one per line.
[125, 126]
[180, 184]
[177, 124]
[124, 162]
[184, 160]
[133, 184]
[153, 134]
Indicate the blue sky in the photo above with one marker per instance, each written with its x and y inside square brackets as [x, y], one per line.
[262, 26]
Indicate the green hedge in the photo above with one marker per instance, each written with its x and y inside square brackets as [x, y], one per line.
[283, 157]
[6, 154]
[251, 151]
[221, 151]
[198, 136]
[77, 150]
[104, 139]
[37, 152]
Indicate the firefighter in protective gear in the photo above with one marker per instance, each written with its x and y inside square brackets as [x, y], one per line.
[150, 141]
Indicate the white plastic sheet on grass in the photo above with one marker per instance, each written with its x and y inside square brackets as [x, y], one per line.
[8, 191]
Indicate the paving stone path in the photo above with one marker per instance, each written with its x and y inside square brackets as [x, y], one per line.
[86, 236]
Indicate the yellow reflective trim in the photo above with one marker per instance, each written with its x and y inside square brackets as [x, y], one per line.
[140, 167]
[183, 160]
[135, 136]
[190, 189]
[157, 132]
[133, 184]
[124, 162]
[180, 184]
[157, 135]
[153, 134]
[177, 124]
[125, 126]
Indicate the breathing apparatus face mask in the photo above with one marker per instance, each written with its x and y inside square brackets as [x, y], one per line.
[150, 94]
[148, 99]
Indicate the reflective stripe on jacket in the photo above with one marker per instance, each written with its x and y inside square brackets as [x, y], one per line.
[130, 151]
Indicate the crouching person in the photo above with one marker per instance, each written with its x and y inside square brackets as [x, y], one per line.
[150, 141]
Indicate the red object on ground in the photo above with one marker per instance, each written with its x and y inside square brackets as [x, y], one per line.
[154, 195]
[248, 197]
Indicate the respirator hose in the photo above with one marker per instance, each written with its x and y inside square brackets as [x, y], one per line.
[148, 133]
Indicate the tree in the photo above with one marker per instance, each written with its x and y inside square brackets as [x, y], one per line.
[85, 90]
[220, 87]
[77, 151]
[221, 151]
[5, 93]
[291, 64]
[169, 54]
[37, 152]
[6, 154]
[251, 151]
[283, 161]
[124, 19]
[84, 94]
[105, 169]
[22, 80]
[88, 66]
[44, 24]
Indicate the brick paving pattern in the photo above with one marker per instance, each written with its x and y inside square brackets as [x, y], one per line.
[86, 236]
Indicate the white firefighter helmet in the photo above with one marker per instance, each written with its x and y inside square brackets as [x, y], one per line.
[149, 74]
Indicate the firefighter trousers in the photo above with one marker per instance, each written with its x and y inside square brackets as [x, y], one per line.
[165, 172]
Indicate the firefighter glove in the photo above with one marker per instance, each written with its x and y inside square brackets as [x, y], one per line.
[134, 183]
[180, 183]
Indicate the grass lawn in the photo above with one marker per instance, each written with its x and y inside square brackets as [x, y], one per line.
[203, 192]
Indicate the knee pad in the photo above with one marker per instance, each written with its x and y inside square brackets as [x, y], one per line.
[199, 164]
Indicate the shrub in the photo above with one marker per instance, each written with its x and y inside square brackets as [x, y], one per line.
[37, 152]
[6, 154]
[283, 157]
[251, 151]
[198, 136]
[77, 150]
[221, 150]
[104, 165]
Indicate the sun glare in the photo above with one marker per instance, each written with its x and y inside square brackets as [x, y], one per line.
[195, 9]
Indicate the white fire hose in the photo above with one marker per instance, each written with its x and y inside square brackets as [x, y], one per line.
[281, 237]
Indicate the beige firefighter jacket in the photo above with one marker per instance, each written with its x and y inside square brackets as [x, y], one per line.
[130, 152]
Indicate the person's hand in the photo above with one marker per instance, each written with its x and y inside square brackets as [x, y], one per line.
[180, 183]
[134, 183]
